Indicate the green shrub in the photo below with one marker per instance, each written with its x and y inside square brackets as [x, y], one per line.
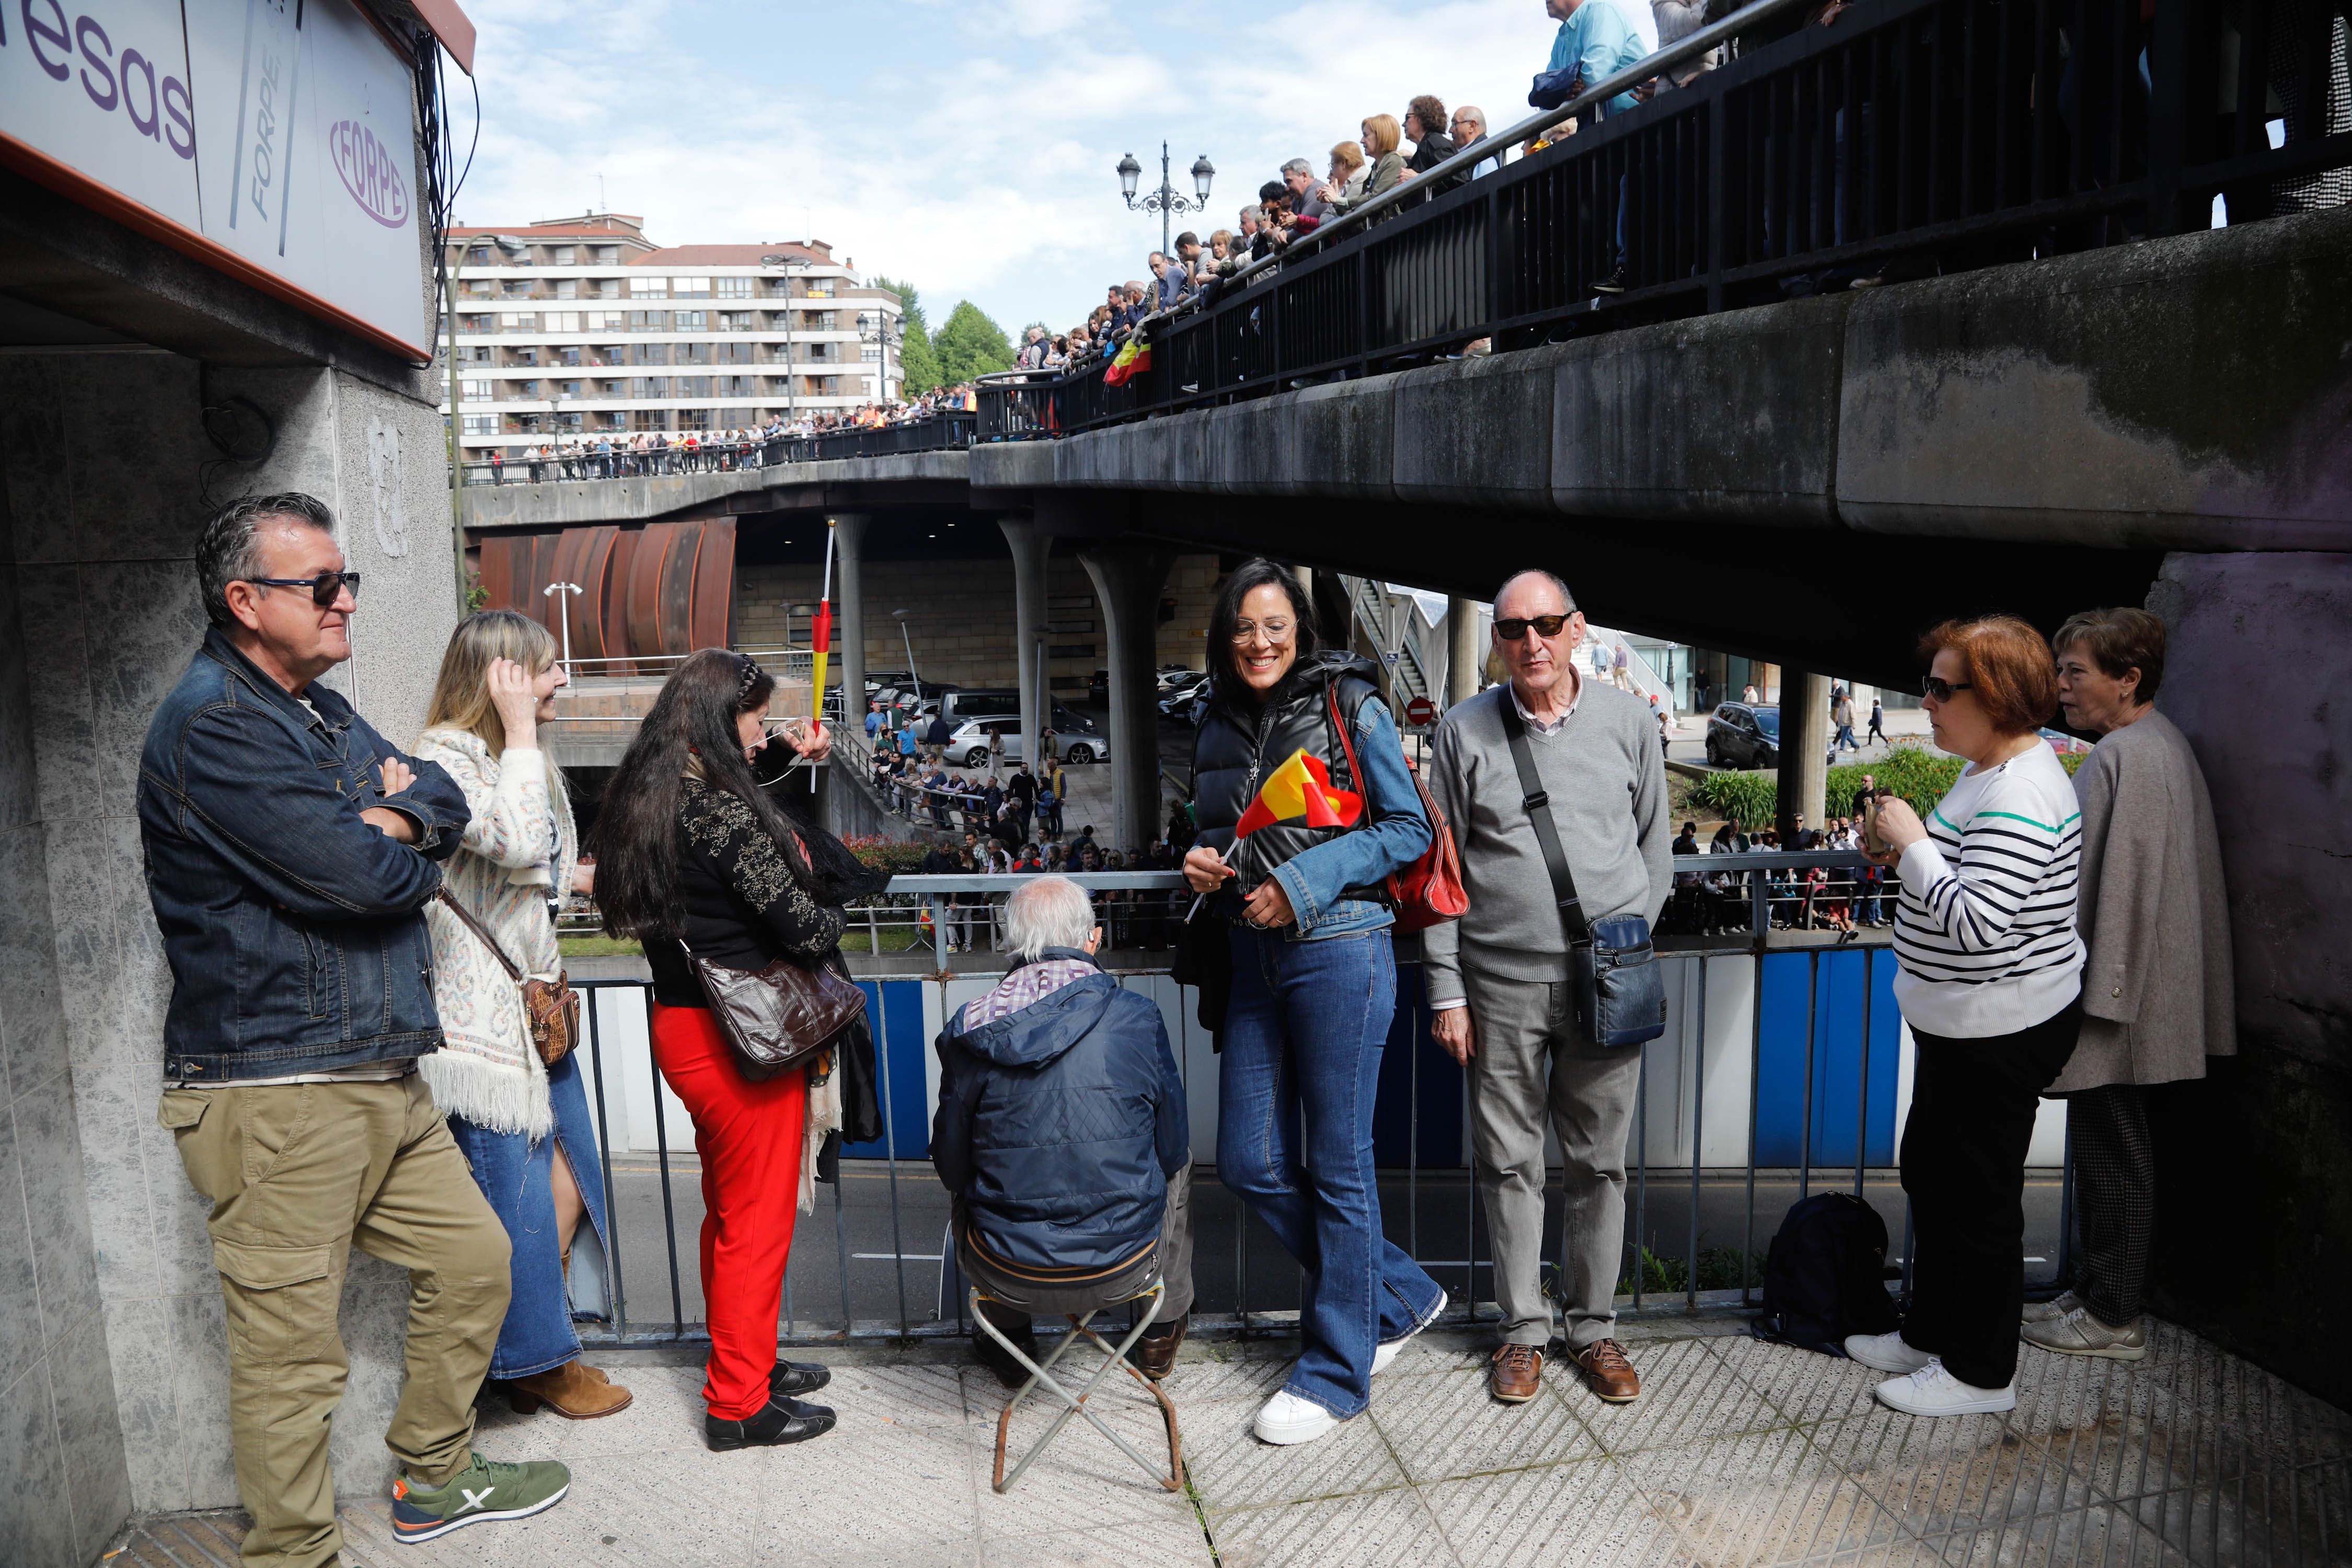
[887, 855]
[1919, 773]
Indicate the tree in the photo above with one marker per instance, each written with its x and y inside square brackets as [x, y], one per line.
[971, 345]
[918, 365]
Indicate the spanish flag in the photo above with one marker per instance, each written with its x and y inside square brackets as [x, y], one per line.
[1300, 792]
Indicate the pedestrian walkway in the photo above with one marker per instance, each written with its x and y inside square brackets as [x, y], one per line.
[1738, 1453]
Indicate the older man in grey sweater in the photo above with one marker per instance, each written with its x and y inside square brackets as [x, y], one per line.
[1498, 977]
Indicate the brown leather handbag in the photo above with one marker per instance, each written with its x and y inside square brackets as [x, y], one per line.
[779, 1016]
[549, 1008]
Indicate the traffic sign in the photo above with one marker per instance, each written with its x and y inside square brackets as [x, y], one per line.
[1421, 710]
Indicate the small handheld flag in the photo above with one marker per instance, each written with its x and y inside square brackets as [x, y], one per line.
[1300, 792]
[820, 634]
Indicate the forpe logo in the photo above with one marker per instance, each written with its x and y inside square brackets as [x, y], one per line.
[369, 173]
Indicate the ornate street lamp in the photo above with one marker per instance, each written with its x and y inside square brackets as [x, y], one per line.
[1166, 199]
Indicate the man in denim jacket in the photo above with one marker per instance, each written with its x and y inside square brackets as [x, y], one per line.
[290, 852]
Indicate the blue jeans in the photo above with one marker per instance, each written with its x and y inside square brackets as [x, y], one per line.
[1304, 1030]
[515, 1174]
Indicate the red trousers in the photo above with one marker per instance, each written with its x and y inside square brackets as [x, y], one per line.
[748, 1136]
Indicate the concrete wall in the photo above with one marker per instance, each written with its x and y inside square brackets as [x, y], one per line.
[2187, 394]
[2256, 1164]
[113, 1347]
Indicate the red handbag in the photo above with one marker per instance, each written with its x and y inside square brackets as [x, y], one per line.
[1429, 891]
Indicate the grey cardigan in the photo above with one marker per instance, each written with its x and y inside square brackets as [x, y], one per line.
[2157, 992]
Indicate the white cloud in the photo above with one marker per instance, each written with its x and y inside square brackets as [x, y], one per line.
[967, 148]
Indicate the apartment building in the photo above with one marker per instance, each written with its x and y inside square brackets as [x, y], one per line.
[582, 326]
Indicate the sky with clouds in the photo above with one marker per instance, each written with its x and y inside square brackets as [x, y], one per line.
[966, 146]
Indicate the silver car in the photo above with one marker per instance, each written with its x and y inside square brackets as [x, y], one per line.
[969, 745]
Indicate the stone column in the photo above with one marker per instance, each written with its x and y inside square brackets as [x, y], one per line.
[1127, 578]
[1030, 550]
[1465, 650]
[1804, 741]
[849, 615]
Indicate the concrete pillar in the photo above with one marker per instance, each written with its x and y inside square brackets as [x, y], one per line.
[1804, 741]
[1030, 550]
[849, 615]
[1465, 650]
[1127, 578]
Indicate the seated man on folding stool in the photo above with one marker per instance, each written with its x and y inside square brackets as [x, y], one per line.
[1062, 1134]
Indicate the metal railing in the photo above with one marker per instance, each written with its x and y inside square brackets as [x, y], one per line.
[1784, 1067]
[1929, 134]
[949, 431]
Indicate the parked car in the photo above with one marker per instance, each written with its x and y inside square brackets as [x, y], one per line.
[1743, 735]
[970, 744]
[1098, 689]
[1173, 676]
[1179, 697]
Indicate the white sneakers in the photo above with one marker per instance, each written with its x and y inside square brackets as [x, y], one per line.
[1287, 1419]
[2076, 1332]
[1932, 1391]
[1886, 1353]
[1385, 1356]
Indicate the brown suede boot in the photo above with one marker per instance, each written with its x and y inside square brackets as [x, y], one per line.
[575, 1392]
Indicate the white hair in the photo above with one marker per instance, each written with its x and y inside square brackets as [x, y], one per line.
[1047, 911]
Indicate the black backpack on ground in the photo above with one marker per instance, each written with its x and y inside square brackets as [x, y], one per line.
[1824, 1276]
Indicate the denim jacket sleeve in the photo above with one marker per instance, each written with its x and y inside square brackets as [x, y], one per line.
[296, 835]
[434, 802]
[1396, 830]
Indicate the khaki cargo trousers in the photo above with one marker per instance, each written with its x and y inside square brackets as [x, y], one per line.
[298, 1174]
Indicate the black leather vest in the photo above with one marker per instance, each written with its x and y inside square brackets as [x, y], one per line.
[1233, 752]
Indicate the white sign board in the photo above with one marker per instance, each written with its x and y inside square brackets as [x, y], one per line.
[277, 142]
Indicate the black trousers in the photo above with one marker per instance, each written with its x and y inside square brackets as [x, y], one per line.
[2114, 1198]
[1972, 1107]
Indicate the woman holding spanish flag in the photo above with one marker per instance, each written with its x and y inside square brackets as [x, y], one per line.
[1305, 808]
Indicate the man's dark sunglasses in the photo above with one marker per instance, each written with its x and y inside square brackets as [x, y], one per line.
[1940, 688]
[324, 588]
[1513, 629]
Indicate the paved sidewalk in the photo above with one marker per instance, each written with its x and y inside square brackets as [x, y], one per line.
[1738, 1453]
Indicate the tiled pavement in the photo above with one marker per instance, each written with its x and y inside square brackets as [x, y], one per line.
[1738, 1454]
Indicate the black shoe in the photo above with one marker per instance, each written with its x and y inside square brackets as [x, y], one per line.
[785, 1379]
[777, 1422]
[1613, 284]
[996, 1358]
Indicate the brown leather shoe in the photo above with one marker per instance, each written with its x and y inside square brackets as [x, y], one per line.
[1608, 1372]
[1155, 1354]
[572, 1390]
[1515, 1373]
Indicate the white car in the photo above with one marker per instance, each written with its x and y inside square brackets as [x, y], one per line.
[969, 745]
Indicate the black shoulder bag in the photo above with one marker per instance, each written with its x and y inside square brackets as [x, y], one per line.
[1621, 997]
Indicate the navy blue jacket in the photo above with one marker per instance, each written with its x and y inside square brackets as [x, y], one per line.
[295, 931]
[1058, 1127]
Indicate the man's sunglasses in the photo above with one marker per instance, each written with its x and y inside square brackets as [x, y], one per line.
[325, 588]
[1936, 687]
[1513, 629]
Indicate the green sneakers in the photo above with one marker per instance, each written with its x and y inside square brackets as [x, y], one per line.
[485, 1489]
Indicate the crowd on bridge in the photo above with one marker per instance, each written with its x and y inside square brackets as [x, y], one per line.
[371, 1036]
[621, 453]
[1597, 39]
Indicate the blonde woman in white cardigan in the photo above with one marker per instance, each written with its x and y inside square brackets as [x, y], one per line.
[524, 1127]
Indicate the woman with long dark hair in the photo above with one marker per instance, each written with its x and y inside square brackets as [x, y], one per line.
[693, 854]
[1297, 837]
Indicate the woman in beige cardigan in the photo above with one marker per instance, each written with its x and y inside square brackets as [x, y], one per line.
[2158, 998]
[523, 1126]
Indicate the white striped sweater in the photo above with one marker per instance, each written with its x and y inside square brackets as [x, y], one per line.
[1984, 926]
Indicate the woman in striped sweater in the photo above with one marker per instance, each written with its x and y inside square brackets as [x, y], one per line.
[1990, 980]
